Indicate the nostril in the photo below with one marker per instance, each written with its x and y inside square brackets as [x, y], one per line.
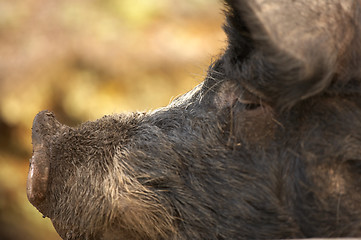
[37, 181]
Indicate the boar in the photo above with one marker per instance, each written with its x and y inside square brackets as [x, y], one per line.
[267, 147]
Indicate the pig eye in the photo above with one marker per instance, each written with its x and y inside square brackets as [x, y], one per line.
[248, 101]
[354, 165]
[247, 104]
[251, 106]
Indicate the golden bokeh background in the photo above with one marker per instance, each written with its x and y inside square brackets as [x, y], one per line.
[83, 59]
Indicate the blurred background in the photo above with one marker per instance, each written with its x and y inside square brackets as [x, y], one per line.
[82, 59]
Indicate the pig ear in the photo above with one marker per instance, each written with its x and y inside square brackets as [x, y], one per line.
[286, 51]
[45, 128]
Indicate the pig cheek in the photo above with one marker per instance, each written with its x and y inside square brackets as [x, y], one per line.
[254, 128]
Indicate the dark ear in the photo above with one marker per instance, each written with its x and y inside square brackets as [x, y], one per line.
[286, 51]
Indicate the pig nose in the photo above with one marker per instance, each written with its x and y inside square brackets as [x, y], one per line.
[38, 177]
[45, 126]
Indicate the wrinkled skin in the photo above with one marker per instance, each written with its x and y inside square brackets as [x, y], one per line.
[267, 147]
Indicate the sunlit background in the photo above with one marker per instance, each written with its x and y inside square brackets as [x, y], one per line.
[82, 59]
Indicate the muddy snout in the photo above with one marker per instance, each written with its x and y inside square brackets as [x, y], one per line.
[45, 127]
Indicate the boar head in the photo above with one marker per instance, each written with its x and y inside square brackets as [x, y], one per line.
[268, 146]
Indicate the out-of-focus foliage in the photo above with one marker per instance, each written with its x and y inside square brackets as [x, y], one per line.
[85, 58]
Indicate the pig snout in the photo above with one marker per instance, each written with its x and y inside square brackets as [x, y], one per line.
[44, 128]
[38, 176]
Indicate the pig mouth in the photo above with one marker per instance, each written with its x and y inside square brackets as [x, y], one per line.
[44, 128]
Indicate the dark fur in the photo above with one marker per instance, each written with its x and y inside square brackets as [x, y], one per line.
[267, 147]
